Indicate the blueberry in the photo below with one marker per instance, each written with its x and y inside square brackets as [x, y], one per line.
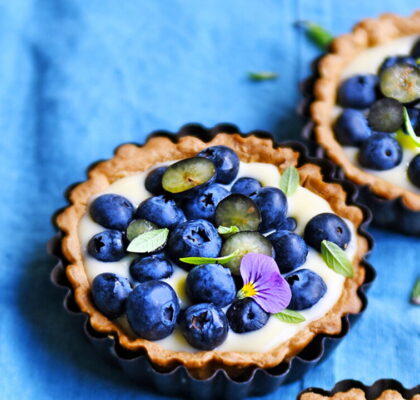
[152, 310]
[152, 267]
[307, 289]
[291, 250]
[380, 152]
[188, 176]
[351, 127]
[109, 292]
[401, 82]
[107, 246]
[288, 224]
[226, 161]
[112, 211]
[414, 170]
[204, 326]
[359, 91]
[161, 210]
[272, 204]
[391, 61]
[246, 186]
[203, 204]
[153, 181]
[327, 226]
[240, 211]
[195, 238]
[415, 51]
[386, 115]
[414, 114]
[246, 315]
[211, 283]
[244, 243]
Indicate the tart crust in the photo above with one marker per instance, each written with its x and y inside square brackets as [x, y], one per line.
[367, 33]
[356, 394]
[130, 159]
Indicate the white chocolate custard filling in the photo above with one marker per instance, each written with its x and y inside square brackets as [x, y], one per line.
[368, 62]
[302, 206]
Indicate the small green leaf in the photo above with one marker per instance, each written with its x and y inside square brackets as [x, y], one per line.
[418, 61]
[336, 259]
[227, 230]
[148, 241]
[316, 33]
[409, 128]
[209, 260]
[289, 181]
[262, 76]
[290, 316]
[415, 294]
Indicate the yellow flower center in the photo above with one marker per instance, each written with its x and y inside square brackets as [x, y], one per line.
[248, 290]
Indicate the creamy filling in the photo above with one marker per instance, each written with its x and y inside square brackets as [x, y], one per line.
[368, 62]
[303, 205]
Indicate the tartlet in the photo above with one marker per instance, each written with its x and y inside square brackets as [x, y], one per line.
[396, 206]
[131, 159]
[354, 390]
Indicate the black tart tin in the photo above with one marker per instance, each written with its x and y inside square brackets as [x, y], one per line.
[254, 382]
[390, 214]
[371, 392]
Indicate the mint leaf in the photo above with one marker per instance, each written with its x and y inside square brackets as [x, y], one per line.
[209, 260]
[262, 76]
[415, 294]
[336, 259]
[227, 230]
[148, 241]
[409, 128]
[289, 181]
[316, 33]
[290, 316]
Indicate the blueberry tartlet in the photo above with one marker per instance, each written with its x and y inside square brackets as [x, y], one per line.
[366, 111]
[227, 254]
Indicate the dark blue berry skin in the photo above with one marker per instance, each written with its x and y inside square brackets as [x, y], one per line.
[414, 114]
[351, 128]
[203, 204]
[204, 326]
[272, 204]
[327, 226]
[247, 186]
[290, 249]
[415, 51]
[112, 211]
[107, 246]
[246, 315]
[152, 310]
[380, 152]
[226, 161]
[414, 170]
[161, 210]
[151, 267]
[359, 91]
[211, 283]
[110, 292]
[153, 181]
[307, 289]
[391, 61]
[195, 238]
[288, 224]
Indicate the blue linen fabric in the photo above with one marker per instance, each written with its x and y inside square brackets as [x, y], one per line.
[79, 77]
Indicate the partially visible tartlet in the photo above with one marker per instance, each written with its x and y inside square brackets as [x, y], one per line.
[353, 96]
[130, 161]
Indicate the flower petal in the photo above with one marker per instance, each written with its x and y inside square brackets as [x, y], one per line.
[273, 291]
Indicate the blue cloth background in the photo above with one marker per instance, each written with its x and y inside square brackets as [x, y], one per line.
[79, 77]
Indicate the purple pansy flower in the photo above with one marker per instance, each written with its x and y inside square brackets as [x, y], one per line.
[263, 282]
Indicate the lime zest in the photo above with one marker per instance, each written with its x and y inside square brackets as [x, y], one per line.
[227, 230]
[209, 260]
[415, 294]
[409, 128]
[316, 33]
[262, 75]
